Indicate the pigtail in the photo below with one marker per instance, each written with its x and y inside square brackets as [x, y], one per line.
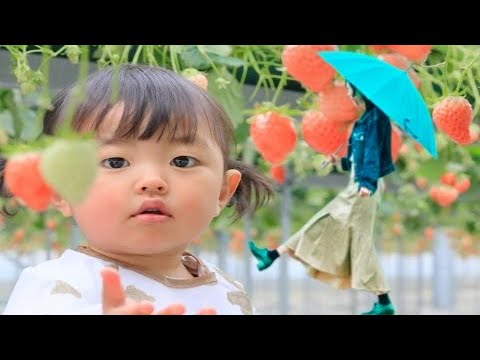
[254, 190]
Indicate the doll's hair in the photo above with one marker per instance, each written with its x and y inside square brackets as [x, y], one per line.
[156, 102]
[356, 92]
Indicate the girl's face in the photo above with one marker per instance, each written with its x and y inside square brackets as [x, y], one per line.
[152, 196]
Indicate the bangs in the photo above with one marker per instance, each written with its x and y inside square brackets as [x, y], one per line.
[155, 102]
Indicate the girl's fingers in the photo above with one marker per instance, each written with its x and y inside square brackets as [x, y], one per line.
[207, 311]
[113, 295]
[141, 308]
[173, 309]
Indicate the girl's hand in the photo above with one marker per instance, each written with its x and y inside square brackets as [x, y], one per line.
[115, 301]
[331, 159]
[364, 192]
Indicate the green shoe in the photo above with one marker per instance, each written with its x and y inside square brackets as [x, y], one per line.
[261, 254]
[379, 309]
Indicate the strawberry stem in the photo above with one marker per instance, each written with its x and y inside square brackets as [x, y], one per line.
[281, 85]
[476, 94]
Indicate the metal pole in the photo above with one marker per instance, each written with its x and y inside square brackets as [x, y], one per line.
[443, 276]
[222, 241]
[306, 295]
[353, 301]
[419, 281]
[400, 269]
[285, 220]
[48, 243]
[75, 236]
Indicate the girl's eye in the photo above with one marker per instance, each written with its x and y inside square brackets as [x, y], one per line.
[115, 163]
[184, 161]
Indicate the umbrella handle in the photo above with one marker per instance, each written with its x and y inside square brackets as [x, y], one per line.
[325, 162]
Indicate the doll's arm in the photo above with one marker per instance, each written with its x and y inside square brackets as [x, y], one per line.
[370, 168]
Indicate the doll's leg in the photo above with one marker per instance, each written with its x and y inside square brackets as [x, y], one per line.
[367, 273]
[265, 256]
[383, 307]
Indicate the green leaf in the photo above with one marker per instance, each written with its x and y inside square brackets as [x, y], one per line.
[179, 48]
[227, 60]
[353, 48]
[432, 170]
[192, 57]
[242, 131]
[32, 124]
[231, 96]
[221, 50]
[474, 152]
[6, 122]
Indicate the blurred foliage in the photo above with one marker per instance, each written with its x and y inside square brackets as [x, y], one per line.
[449, 69]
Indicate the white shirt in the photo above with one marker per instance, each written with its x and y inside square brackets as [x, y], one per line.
[72, 284]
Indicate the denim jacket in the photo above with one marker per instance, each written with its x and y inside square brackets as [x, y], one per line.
[370, 143]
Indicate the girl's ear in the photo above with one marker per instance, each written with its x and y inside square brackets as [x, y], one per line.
[62, 205]
[231, 180]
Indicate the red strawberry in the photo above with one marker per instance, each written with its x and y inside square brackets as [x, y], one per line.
[273, 135]
[415, 53]
[304, 64]
[453, 116]
[24, 180]
[396, 142]
[271, 241]
[200, 80]
[50, 224]
[403, 150]
[336, 104]
[403, 63]
[428, 233]
[324, 135]
[417, 147]
[443, 195]
[56, 246]
[421, 182]
[18, 236]
[277, 173]
[196, 77]
[236, 241]
[377, 49]
[463, 185]
[397, 229]
[448, 178]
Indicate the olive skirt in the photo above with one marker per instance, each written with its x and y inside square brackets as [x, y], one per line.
[336, 245]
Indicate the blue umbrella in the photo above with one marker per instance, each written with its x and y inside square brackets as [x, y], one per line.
[390, 89]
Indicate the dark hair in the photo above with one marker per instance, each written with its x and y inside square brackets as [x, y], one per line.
[355, 92]
[163, 101]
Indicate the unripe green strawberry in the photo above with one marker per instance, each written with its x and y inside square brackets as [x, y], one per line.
[70, 167]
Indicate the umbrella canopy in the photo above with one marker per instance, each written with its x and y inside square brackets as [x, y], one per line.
[390, 89]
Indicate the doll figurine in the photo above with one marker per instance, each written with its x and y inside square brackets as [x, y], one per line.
[336, 245]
